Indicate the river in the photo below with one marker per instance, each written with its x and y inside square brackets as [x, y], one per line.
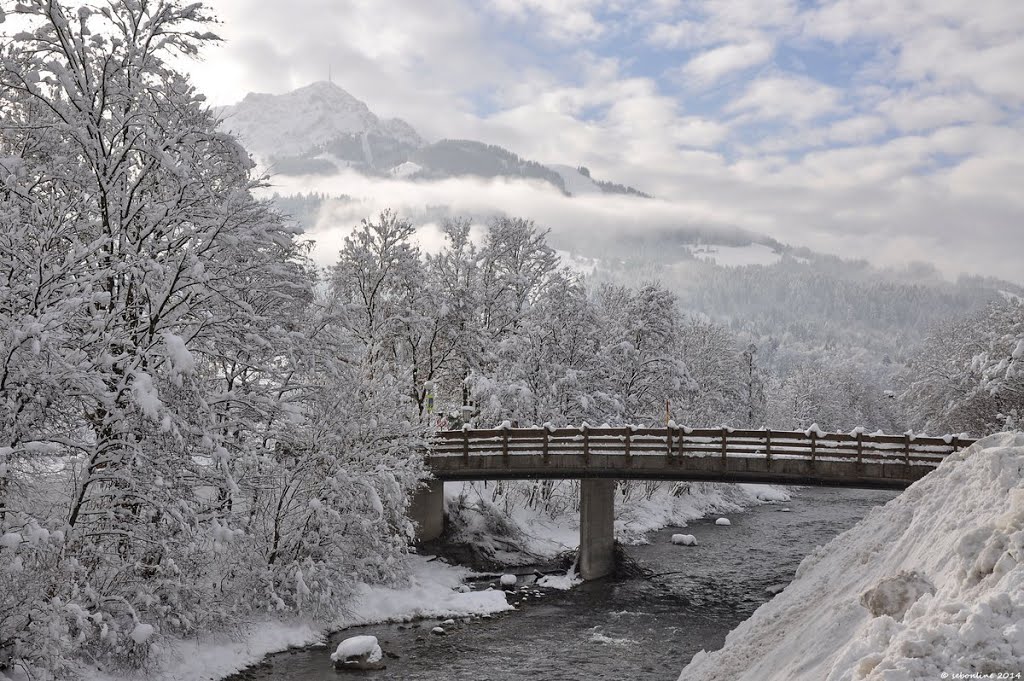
[633, 628]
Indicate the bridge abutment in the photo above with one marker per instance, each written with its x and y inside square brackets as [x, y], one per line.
[427, 511]
[597, 527]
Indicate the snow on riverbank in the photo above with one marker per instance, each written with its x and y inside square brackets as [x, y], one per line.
[950, 548]
[505, 527]
[429, 592]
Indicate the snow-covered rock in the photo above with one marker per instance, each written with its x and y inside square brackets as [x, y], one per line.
[358, 653]
[961, 528]
[356, 646]
[684, 539]
[723, 521]
[508, 580]
[561, 582]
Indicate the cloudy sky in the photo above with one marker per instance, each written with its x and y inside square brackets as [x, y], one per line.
[888, 129]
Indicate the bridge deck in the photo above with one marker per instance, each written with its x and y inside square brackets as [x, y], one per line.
[719, 455]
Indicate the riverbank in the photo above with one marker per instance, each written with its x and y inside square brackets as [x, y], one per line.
[643, 626]
[526, 523]
[519, 536]
[433, 589]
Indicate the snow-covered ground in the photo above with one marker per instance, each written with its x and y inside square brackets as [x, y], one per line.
[927, 587]
[576, 183]
[431, 591]
[738, 256]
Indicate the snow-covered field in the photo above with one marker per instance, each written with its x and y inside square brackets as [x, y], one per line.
[931, 584]
[738, 256]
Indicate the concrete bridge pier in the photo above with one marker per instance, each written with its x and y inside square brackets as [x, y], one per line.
[597, 531]
[427, 511]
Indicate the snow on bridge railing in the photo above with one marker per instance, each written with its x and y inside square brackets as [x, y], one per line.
[673, 441]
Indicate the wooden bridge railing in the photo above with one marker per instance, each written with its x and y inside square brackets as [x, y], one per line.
[673, 442]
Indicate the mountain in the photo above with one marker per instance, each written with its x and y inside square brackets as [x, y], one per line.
[306, 119]
[320, 128]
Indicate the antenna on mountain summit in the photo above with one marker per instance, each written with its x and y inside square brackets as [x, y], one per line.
[329, 78]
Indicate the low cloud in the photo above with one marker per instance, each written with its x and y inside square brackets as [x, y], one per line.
[885, 224]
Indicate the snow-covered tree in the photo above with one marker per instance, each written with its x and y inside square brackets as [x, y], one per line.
[716, 391]
[642, 351]
[185, 434]
[967, 376]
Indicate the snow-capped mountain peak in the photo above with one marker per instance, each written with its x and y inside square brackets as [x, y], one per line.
[302, 120]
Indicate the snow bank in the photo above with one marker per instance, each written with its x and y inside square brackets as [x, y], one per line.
[942, 565]
[431, 592]
[515, 534]
[635, 520]
[215, 657]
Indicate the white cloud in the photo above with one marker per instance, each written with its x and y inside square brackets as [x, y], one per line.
[563, 21]
[915, 112]
[792, 98]
[711, 65]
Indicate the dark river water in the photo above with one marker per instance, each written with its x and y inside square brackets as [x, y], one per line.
[632, 628]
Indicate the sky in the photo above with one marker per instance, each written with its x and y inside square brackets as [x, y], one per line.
[885, 129]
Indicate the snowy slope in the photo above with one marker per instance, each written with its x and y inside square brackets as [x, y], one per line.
[961, 529]
[298, 121]
[576, 183]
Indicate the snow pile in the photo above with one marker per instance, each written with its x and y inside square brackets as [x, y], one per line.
[432, 591]
[930, 584]
[358, 646]
[894, 596]
[723, 521]
[684, 539]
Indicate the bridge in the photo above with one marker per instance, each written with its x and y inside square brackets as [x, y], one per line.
[600, 456]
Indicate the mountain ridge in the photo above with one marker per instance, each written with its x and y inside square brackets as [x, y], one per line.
[320, 128]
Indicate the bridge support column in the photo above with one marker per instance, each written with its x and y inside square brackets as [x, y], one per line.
[427, 511]
[597, 519]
